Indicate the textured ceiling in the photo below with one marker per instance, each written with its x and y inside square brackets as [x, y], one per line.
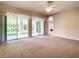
[39, 6]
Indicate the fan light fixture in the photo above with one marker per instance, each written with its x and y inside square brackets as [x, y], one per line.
[49, 7]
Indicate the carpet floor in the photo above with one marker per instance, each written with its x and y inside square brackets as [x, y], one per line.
[40, 47]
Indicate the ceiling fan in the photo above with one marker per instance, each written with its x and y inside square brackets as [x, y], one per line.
[50, 6]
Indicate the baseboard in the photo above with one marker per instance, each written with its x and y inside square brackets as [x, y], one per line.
[66, 37]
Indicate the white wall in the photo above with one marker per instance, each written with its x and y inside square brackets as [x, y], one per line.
[0, 28]
[50, 25]
[66, 24]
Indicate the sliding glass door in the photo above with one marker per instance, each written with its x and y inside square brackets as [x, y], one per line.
[41, 25]
[11, 26]
[17, 26]
[22, 26]
[37, 26]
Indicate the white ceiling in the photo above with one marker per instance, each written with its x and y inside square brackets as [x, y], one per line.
[39, 6]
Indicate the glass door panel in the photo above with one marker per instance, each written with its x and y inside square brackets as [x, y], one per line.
[11, 27]
[22, 26]
[37, 26]
[34, 26]
[41, 26]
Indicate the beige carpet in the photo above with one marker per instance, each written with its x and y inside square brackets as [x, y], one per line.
[40, 47]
